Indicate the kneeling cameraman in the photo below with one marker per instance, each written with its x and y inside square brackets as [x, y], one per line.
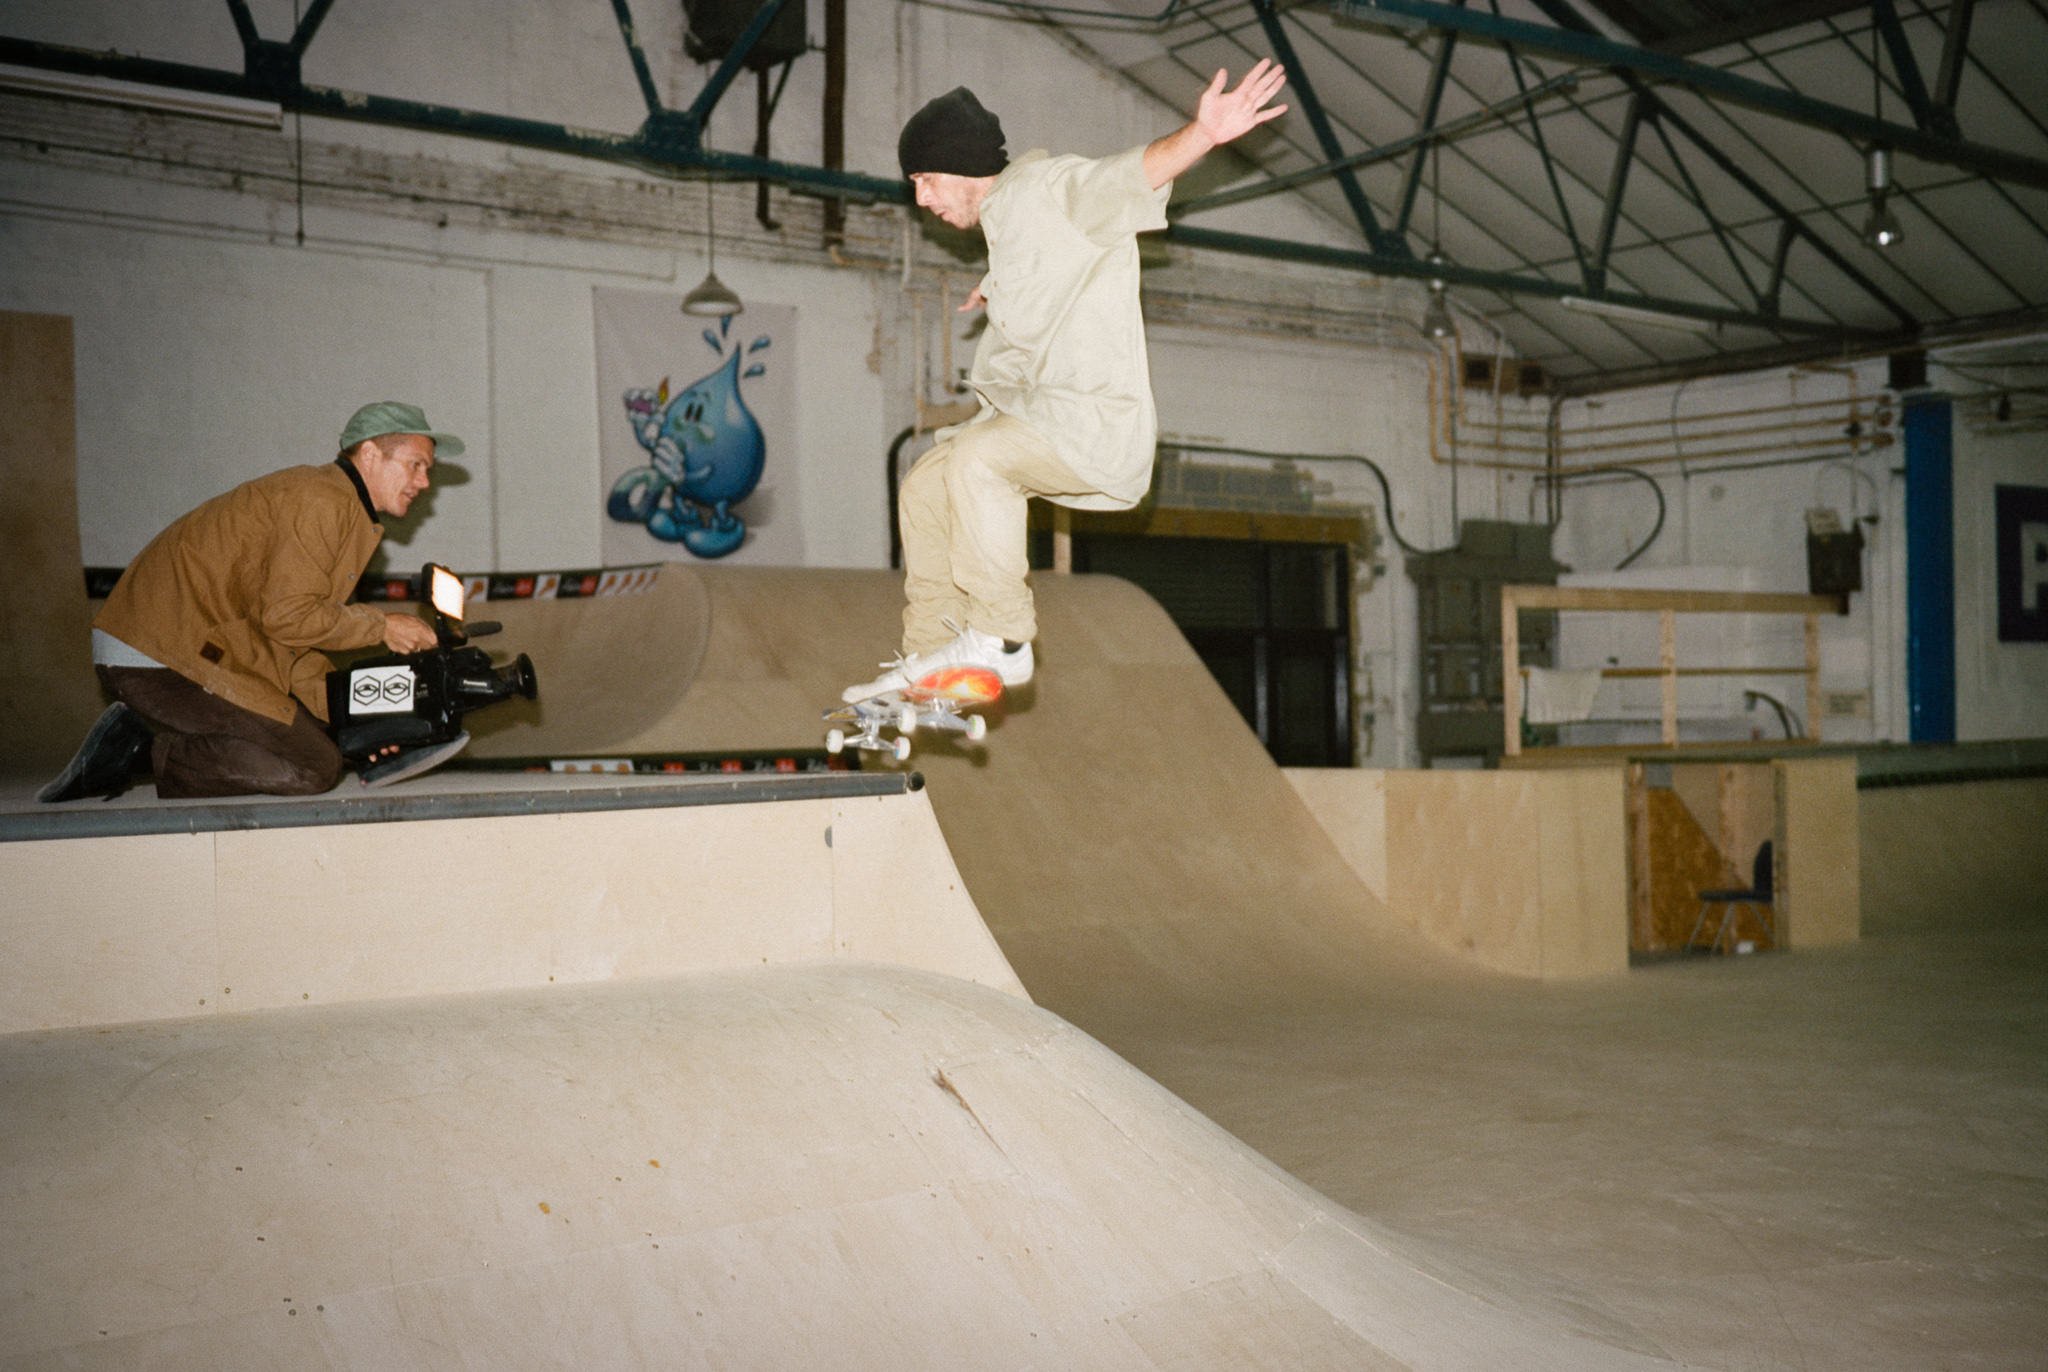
[211, 640]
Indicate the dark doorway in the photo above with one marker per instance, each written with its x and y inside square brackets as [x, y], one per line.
[1270, 620]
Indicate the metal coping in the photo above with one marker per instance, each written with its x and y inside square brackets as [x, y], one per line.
[385, 808]
[1945, 764]
[1880, 765]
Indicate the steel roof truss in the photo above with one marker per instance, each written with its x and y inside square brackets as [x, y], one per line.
[1564, 209]
[1617, 186]
[1432, 102]
[699, 112]
[1955, 48]
[1911, 84]
[1326, 134]
[1383, 152]
[1576, 41]
[641, 73]
[302, 37]
[1507, 284]
[657, 145]
[1692, 189]
[1788, 232]
[245, 24]
[1756, 188]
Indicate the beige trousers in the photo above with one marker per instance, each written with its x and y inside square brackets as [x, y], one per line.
[962, 515]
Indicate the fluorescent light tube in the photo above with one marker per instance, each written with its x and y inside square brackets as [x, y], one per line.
[169, 99]
[1635, 314]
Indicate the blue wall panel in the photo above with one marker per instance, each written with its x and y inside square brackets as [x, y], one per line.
[1930, 570]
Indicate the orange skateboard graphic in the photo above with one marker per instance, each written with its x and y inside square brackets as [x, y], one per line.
[950, 699]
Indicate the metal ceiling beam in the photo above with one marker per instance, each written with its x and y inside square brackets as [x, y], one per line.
[1380, 152]
[245, 23]
[1506, 283]
[642, 73]
[670, 143]
[1955, 47]
[1774, 18]
[700, 108]
[654, 153]
[1617, 186]
[2014, 324]
[1737, 173]
[1562, 13]
[302, 37]
[1326, 134]
[1432, 104]
[1692, 189]
[1884, 16]
[1582, 45]
[1787, 235]
[1564, 209]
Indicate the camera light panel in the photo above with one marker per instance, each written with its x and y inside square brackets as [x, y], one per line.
[446, 592]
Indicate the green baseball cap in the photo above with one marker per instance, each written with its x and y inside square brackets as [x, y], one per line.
[382, 417]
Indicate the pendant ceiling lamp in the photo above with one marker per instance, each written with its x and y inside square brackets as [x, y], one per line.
[711, 297]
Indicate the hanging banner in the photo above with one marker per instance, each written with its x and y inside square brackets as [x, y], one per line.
[697, 432]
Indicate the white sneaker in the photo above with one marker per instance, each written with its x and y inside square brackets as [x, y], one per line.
[972, 648]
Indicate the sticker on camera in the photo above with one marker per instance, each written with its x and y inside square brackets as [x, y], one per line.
[380, 690]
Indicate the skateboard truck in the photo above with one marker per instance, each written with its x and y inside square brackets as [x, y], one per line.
[950, 705]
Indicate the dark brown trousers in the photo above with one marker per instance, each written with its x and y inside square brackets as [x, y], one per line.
[206, 746]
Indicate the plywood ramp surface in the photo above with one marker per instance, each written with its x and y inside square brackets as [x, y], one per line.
[1941, 855]
[1135, 851]
[126, 927]
[610, 667]
[48, 694]
[858, 1167]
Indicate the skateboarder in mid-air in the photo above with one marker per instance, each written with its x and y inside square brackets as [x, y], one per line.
[1066, 398]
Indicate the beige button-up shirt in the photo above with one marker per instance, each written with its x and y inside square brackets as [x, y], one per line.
[1064, 349]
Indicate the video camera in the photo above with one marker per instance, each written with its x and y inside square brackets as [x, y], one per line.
[418, 699]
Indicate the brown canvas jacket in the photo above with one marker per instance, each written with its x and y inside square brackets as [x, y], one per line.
[241, 594]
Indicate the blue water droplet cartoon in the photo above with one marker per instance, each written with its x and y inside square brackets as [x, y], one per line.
[706, 454]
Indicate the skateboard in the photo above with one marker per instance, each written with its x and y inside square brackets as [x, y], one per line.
[950, 700]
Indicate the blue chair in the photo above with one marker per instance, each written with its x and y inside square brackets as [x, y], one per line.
[1756, 896]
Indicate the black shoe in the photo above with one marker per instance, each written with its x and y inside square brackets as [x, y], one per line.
[115, 748]
[410, 762]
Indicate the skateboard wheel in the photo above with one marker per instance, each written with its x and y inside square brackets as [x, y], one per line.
[977, 728]
[906, 719]
[901, 747]
[835, 741]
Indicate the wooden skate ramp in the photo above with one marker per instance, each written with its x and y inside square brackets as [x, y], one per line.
[834, 1166]
[611, 667]
[49, 696]
[1135, 851]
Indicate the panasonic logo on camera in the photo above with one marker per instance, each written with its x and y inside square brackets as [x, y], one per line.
[380, 690]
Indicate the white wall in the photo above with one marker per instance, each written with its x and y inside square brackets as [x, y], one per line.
[213, 345]
[1740, 461]
[1749, 520]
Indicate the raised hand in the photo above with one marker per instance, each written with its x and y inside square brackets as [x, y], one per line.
[1224, 115]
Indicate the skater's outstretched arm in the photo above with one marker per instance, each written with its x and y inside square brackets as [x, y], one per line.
[1220, 117]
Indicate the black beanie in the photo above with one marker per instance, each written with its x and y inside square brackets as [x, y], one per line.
[952, 134]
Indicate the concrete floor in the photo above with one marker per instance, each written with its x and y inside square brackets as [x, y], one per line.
[1834, 1159]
